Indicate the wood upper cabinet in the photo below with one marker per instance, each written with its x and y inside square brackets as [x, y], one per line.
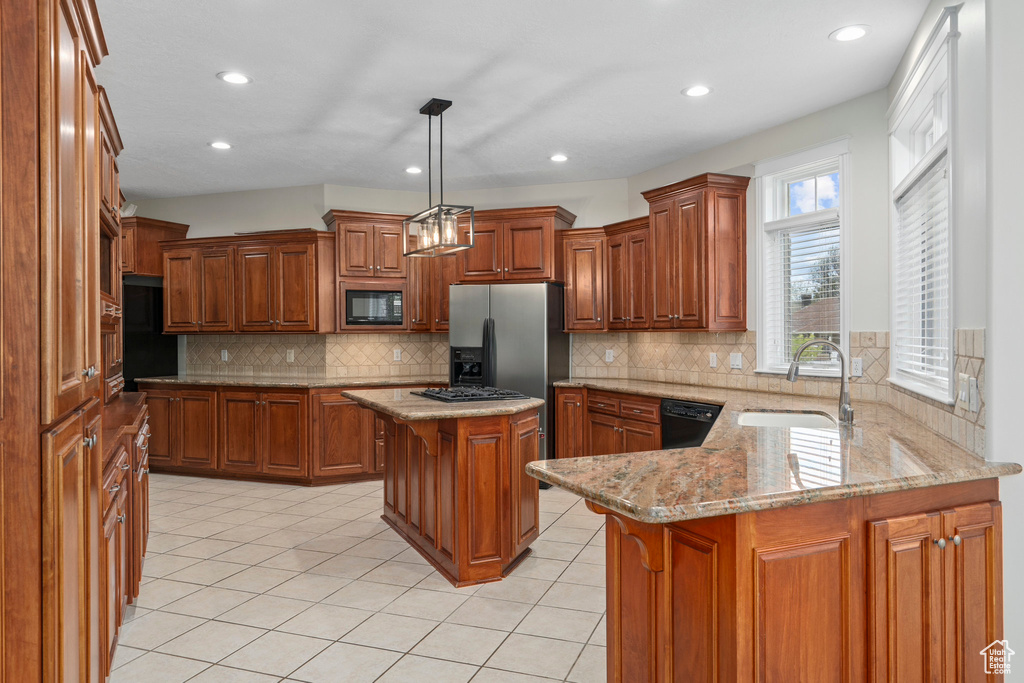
[110, 146]
[583, 252]
[443, 274]
[183, 427]
[513, 245]
[368, 244]
[140, 243]
[343, 436]
[934, 594]
[420, 295]
[628, 282]
[569, 423]
[264, 432]
[278, 282]
[698, 238]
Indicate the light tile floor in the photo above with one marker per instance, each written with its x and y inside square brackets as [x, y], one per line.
[251, 583]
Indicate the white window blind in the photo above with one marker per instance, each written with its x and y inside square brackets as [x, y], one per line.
[921, 281]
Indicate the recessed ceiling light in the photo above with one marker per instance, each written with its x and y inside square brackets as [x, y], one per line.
[697, 91]
[559, 157]
[414, 169]
[220, 145]
[848, 33]
[235, 77]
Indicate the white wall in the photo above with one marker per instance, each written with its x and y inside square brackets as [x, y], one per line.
[863, 120]
[1005, 283]
[595, 203]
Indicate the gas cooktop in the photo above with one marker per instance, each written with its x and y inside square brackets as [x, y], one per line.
[458, 394]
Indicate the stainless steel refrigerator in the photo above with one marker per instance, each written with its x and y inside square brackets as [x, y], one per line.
[510, 336]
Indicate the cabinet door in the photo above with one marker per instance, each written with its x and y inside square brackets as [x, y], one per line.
[974, 586]
[617, 284]
[443, 269]
[181, 291]
[727, 261]
[665, 274]
[639, 258]
[388, 255]
[905, 595]
[239, 427]
[378, 442]
[527, 253]
[91, 232]
[123, 542]
[162, 422]
[355, 250]
[217, 290]
[343, 438]
[127, 250]
[689, 285]
[285, 434]
[110, 598]
[256, 290]
[525, 490]
[65, 587]
[484, 262]
[569, 424]
[584, 285]
[295, 273]
[603, 435]
[639, 436]
[197, 435]
[419, 294]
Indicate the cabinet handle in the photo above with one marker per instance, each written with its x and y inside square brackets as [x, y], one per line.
[115, 488]
[956, 539]
[941, 543]
[601, 405]
[120, 519]
[145, 470]
[638, 412]
[125, 467]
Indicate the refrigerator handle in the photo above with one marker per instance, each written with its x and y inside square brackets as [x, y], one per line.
[490, 353]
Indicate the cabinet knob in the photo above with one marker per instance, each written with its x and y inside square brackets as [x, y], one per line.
[436, 320]
[941, 543]
[120, 519]
[577, 404]
[506, 270]
[598, 320]
[378, 267]
[956, 539]
[145, 470]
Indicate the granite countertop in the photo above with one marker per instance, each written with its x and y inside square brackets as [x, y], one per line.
[295, 382]
[745, 469]
[404, 405]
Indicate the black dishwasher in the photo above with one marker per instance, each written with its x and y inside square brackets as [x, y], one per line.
[685, 424]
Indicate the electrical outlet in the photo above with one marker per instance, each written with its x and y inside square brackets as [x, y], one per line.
[289, 355]
[974, 398]
[398, 355]
[609, 355]
[857, 367]
[224, 355]
[736, 361]
[713, 359]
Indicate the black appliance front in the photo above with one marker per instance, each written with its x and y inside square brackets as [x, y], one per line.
[467, 366]
[373, 307]
[148, 352]
[685, 424]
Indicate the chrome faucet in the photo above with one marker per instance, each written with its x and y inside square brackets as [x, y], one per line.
[845, 409]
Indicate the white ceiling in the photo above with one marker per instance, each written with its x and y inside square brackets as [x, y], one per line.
[339, 83]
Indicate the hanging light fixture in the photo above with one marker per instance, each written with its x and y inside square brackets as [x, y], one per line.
[435, 232]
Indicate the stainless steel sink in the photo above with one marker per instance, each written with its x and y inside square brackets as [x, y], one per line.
[791, 420]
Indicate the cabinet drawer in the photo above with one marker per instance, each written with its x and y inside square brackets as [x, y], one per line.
[596, 403]
[115, 477]
[636, 410]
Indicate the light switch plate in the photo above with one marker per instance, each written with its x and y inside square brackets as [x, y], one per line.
[398, 355]
[963, 391]
[736, 361]
[713, 359]
[609, 355]
[857, 367]
[974, 398]
[290, 355]
[224, 355]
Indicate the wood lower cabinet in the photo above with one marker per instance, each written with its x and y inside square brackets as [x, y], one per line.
[583, 252]
[117, 563]
[264, 433]
[183, 427]
[569, 423]
[849, 590]
[698, 236]
[344, 440]
[515, 245]
[524, 447]
[616, 423]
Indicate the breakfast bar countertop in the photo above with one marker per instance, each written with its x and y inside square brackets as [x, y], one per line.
[284, 382]
[746, 469]
[404, 405]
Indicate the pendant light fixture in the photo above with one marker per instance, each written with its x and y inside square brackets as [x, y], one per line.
[435, 232]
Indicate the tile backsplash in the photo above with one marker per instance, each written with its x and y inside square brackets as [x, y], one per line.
[314, 355]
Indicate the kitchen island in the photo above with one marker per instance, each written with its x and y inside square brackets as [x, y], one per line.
[455, 482]
[795, 552]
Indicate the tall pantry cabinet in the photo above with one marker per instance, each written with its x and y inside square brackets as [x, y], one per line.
[52, 369]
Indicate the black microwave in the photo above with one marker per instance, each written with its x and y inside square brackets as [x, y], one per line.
[373, 307]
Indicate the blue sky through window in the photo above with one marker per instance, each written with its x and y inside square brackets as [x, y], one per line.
[813, 194]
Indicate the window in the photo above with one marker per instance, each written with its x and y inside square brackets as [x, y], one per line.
[921, 353]
[802, 267]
